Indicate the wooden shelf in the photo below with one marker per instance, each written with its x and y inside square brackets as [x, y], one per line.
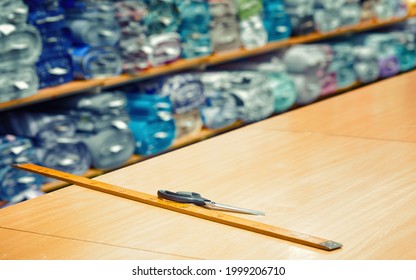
[187, 64]
[53, 93]
[181, 64]
[309, 38]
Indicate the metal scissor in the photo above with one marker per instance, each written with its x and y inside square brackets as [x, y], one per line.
[197, 199]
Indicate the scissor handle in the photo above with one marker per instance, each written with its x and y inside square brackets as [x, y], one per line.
[183, 197]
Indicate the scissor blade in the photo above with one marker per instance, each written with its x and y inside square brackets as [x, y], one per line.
[224, 207]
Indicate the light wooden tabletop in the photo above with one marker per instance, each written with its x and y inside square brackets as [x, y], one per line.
[354, 188]
[384, 110]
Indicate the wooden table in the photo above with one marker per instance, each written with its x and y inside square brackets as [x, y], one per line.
[342, 169]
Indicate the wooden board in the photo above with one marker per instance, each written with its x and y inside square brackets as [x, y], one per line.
[384, 110]
[20, 245]
[187, 209]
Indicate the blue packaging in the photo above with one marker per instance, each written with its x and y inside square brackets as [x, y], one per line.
[51, 24]
[163, 17]
[152, 122]
[276, 21]
[95, 62]
[55, 71]
[14, 182]
[220, 108]
[186, 92]
[194, 28]
[93, 31]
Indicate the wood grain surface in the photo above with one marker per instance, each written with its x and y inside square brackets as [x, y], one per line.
[343, 188]
[343, 168]
[20, 245]
[384, 110]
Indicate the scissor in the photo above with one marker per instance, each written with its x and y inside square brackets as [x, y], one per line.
[197, 199]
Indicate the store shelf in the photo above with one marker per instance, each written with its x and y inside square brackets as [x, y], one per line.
[179, 143]
[181, 64]
[187, 64]
[219, 58]
[205, 133]
[53, 93]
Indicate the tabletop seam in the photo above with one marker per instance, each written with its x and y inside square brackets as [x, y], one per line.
[100, 243]
[338, 135]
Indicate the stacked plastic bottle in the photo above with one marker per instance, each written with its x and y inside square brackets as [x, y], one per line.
[387, 9]
[55, 64]
[101, 124]
[327, 14]
[406, 36]
[182, 94]
[405, 49]
[134, 44]
[308, 66]
[276, 21]
[151, 119]
[220, 107]
[276, 78]
[53, 136]
[17, 185]
[301, 14]
[251, 91]
[163, 22]
[194, 28]
[330, 15]
[186, 93]
[253, 33]
[225, 31]
[20, 47]
[384, 45]
[342, 64]
[94, 35]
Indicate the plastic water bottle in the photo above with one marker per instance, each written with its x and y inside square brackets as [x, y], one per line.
[55, 71]
[96, 62]
[163, 17]
[152, 122]
[194, 28]
[255, 99]
[343, 65]
[18, 83]
[19, 45]
[225, 33]
[165, 47]
[405, 49]
[366, 64]
[301, 15]
[384, 45]
[350, 13]
[276, 21]
[252, 32]
[186, 93]
[219, 108]
[13, 12]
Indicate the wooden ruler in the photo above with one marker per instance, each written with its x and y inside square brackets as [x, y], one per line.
[188, 209]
